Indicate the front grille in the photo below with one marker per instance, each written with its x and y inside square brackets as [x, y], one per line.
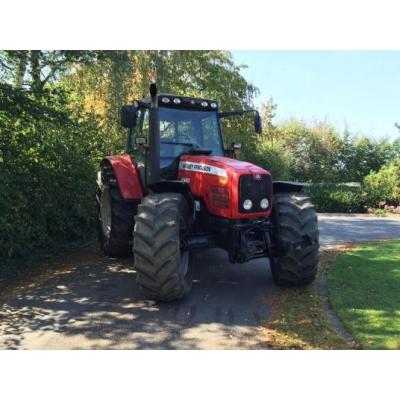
[255, 188]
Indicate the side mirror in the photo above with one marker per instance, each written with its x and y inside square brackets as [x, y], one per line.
[236, 146]
[257, 123]
[235, 149]
[129, 116]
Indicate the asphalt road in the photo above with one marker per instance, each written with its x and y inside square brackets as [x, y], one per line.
[87, 301]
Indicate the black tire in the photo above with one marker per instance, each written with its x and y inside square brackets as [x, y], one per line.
[163, 270]
[115, 216]
[296, 236]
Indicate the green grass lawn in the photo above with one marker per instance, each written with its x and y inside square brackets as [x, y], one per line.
[364, 291]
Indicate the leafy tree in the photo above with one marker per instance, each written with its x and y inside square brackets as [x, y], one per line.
[313, 150]
[365, 155]
[318, 153]
[121, 76]
[268, 113]
[271, 156]
[34, 69]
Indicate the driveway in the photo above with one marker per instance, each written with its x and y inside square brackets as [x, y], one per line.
[355, 228]
[87, 301]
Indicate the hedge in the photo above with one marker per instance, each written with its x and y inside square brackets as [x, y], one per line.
[48, 162]
[336, 198]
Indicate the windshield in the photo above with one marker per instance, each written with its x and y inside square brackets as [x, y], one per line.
[181, 130]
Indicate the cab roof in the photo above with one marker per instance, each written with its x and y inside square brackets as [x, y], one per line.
[175, 101]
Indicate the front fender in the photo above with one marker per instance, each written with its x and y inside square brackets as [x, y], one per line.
[287, 187]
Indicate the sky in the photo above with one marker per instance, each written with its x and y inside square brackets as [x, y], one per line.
[360, 89]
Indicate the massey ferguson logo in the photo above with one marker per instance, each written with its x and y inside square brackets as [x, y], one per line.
[257, 177]
[202, 168]
[195, 167]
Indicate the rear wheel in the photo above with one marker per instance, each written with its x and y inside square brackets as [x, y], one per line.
[296, 239]
[115, 216]
[162, 265]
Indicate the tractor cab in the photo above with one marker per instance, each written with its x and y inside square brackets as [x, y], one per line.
[182, 125]
[186, 126]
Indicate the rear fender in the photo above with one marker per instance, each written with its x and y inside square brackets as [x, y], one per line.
[127, 176]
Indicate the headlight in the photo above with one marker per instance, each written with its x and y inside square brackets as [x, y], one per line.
[264, 203]
[177, 101]
[247, 204]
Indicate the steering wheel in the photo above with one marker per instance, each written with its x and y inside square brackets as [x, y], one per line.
[187, 138]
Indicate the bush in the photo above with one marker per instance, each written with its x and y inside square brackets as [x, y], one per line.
[336, 198]
[382, 188]
[48, 162]
[272, 157]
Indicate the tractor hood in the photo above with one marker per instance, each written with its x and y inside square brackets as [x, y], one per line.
[216, 180]
[220, 166]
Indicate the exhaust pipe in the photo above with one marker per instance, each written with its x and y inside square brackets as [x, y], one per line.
[153, 160]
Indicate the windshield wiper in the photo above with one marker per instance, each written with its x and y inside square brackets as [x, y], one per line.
[195, 149]
[181, 143]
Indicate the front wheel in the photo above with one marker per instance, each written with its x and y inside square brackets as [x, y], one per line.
[163, 267]
[296, 240]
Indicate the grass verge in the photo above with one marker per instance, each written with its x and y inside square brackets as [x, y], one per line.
[299, 320]
[364, 291]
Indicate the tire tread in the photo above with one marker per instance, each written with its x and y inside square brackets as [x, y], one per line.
[156, 247]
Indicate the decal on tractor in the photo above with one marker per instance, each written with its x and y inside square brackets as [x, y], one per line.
[202, 168]
[177, 189]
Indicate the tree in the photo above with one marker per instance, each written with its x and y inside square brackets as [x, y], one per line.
[268, 113]
[122, 76]
[34, 69]
[364, 155]
[314, 150]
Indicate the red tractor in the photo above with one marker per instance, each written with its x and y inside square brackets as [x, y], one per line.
[177, 189]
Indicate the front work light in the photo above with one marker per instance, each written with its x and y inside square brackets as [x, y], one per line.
[264, 203]
[247, 204]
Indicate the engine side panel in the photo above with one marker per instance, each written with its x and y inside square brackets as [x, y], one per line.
[127, 176]
[216, 181]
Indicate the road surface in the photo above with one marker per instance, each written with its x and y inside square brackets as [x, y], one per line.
[88, 301]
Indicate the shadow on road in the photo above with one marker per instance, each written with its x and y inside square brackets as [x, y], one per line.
[96, 304]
